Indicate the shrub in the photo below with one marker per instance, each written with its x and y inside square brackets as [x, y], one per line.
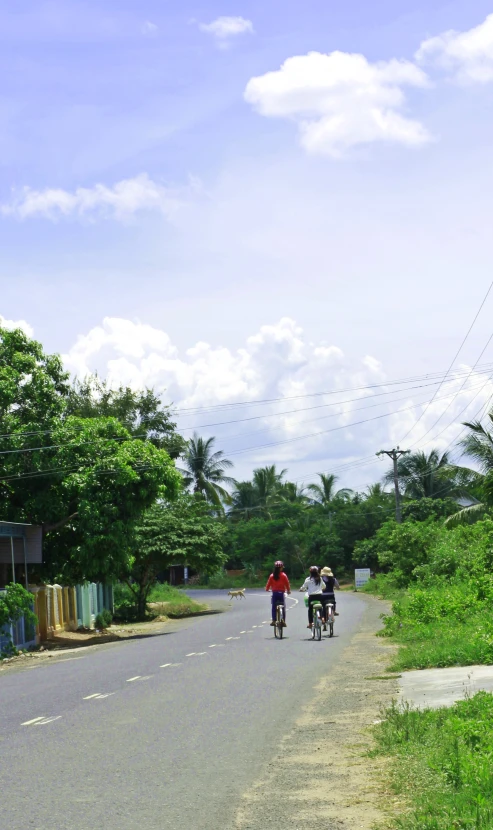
[104, 619]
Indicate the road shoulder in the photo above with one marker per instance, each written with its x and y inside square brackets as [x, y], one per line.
[319, 775]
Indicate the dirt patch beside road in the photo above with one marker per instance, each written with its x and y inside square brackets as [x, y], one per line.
[319, 776]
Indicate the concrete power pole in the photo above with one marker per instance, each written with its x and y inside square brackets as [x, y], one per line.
[394, 455]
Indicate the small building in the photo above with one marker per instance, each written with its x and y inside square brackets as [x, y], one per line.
[21, 545]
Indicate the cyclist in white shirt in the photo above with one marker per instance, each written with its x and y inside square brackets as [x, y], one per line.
[314, 585]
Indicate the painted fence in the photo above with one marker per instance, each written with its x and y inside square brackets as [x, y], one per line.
[59, 609]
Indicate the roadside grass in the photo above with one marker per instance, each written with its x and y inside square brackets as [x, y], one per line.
[222, 581]
[446, 642]
[442, 764]
[440, 624]
[166, 599]
[170, 601]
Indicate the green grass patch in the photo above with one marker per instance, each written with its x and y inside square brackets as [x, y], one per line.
[442, 764]
[173, 602]
[444, 643]
[221, 580]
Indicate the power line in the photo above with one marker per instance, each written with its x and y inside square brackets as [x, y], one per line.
[453, 361]
[260, 402]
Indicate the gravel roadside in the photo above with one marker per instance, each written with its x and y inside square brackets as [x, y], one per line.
[319, 776]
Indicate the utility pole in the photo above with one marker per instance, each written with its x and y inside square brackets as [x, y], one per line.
[394, 455]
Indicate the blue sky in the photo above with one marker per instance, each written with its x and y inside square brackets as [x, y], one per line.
[193, 169]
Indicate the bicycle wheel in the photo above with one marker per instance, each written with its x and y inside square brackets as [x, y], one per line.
[279, 626]
[331, 630]
[319, 627]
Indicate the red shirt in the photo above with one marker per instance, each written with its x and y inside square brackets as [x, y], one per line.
[281, 584]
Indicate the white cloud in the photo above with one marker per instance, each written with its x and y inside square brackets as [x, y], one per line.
[119, 201]
[276, 362]
[149, 29]
[468, 54]
[341, 100]
[16, 324]
[225, 28]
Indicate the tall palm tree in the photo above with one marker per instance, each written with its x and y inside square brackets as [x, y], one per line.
[204, 470]
[424, 475]
[268, 483]
[293, 492]
[244, 500]
[325, 492]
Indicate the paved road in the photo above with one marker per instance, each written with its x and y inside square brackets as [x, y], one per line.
[161, 746]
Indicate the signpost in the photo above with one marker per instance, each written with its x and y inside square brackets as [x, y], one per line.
[361, 577]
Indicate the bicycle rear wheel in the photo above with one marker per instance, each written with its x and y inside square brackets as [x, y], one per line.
[278, 628]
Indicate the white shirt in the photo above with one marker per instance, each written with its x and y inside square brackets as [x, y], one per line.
[311, 586]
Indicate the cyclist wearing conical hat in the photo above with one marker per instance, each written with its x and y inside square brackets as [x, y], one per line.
[330, 582]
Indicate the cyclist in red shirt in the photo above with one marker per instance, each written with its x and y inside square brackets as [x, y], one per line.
[278, 583]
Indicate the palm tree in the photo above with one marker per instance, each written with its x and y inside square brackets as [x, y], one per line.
[425, 476]
[479, 444]
[290, 491]
[375, 491]
[244, 500]
[268, 484]
[205, 470]
[325, 492]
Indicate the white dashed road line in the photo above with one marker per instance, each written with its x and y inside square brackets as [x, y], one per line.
[169, 665]
[40, 721]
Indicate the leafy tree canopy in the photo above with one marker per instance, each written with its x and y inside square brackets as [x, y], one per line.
[182, 532]
[86, 480]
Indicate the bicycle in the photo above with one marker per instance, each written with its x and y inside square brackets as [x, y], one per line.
[329, 618]
[279, 622]
[317, 621]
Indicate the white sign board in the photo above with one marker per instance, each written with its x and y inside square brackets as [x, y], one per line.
[361, 577]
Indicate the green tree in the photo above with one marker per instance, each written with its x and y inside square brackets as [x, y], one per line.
[180, 532]
[15, 603]
[205, 470]
[139, 411]
[244, 501]
[85, 480]
[324, 493]
[268, 483]
[423, 475]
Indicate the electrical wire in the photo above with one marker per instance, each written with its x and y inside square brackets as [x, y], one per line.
[453, 361]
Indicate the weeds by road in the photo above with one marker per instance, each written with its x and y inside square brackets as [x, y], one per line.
[442, 764]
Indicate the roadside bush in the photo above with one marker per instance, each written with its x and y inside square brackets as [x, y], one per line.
[124, 605]
[104, 619]
[15, 603]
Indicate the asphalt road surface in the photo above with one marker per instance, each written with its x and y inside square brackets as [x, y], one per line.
[162, 732]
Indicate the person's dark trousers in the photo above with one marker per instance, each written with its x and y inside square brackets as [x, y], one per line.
[278, 599]
[311, 600]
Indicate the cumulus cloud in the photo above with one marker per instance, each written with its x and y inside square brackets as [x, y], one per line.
[119, 201]
[310, 419]
[469, 55]
[16, 324]
[340, 100]
[223, 29]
